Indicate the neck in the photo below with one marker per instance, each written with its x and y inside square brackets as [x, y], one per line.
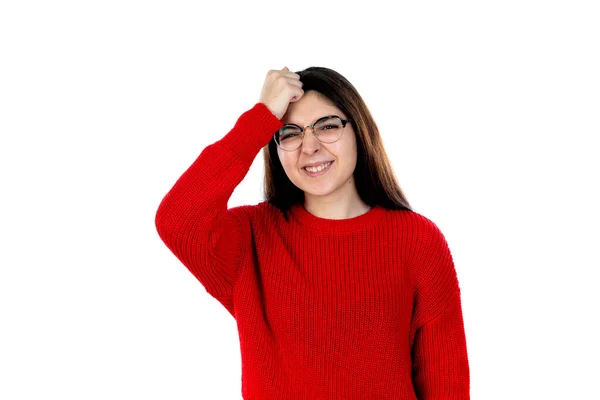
[336, 205]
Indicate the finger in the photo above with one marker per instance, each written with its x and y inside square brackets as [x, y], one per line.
[295, 82]
[292, 75]
[275, 73]
[286, 72]
[297, 95]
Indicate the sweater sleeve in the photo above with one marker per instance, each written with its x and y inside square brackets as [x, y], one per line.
[193, 219]
[439, 351]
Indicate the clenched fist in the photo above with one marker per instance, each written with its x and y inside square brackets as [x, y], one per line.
[281, 88]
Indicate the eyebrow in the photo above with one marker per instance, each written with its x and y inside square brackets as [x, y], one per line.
[317, 120]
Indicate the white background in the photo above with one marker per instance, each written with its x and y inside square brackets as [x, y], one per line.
[488, 110]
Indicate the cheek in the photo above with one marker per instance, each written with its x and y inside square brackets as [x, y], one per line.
[347, 152]
[286, 159]
[353, 149]
[354, 153]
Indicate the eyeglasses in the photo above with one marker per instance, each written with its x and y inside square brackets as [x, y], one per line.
[327, 129]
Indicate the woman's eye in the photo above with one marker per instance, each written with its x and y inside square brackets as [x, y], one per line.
[288, 136]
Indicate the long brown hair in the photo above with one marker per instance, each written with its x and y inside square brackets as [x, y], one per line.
[375, 180]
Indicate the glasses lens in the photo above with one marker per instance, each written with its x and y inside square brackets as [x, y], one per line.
[329, 130]
[288, 138]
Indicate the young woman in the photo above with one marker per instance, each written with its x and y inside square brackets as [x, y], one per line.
[338, 288]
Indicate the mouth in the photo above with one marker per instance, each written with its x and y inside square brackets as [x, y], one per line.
[317, 170]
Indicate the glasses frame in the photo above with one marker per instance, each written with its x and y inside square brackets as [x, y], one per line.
[312, 127]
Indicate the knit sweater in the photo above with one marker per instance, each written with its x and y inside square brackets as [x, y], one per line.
[361, 308]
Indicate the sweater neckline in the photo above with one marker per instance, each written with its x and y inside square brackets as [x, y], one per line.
[362, 221]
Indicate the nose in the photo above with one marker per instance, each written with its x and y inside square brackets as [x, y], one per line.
[310, 143]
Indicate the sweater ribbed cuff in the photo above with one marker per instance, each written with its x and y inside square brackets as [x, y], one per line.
[252, 131]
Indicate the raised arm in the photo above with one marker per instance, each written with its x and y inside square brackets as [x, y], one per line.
[193, 219]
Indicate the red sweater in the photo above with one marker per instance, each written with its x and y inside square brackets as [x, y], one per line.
[362, 308]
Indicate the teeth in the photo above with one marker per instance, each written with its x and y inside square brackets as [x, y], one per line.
[318, 168]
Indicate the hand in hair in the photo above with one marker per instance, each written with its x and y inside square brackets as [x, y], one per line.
[281, 88]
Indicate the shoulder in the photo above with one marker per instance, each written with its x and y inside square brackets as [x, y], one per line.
[419, 235]
[257, 214]
[413, 222]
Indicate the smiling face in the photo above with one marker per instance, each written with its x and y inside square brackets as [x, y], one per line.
[335, 162]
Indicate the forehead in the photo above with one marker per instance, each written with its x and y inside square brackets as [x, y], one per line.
[310, 108]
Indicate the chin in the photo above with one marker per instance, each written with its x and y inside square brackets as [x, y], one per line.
[319, 189]
[318, 192]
